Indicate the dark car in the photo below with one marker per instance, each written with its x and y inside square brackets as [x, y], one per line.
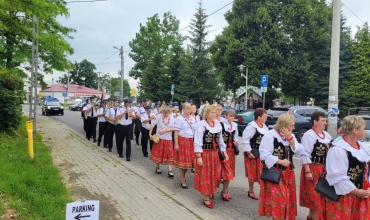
[243, 119]
[302, 116]
[52, 107]
[76, 107]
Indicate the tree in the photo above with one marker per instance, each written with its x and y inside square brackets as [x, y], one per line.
[358, 89]
[85, 70]
[16, 22]
[116, 87]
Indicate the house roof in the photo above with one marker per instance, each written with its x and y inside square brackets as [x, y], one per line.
[71, 88]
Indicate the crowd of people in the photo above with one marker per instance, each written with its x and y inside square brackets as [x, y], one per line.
[208, 146]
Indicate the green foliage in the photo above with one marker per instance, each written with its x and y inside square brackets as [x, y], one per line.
[116, 87]
[358, 89]
[33, 187]
[16, 22]
[11, 95]
[82, 74]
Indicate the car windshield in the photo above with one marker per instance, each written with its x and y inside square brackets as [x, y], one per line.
[367, 120]
[54, 103]
[246, 113]
[277, 111]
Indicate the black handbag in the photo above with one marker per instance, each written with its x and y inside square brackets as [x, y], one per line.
[255, 152]
[272, 176]
[236, 150]
[326, 190]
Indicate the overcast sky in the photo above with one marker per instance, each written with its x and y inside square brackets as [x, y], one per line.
[102, 25]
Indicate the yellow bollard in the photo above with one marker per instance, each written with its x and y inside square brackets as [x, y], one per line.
[29, 127]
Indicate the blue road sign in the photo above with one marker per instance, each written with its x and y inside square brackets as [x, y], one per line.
[172, 89]
[64, 94]
[264, 80]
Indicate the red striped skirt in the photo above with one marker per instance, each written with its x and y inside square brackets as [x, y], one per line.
[253, 169]
[162, 152]
[279, 201]
[228, 166]
[208, 176]
[348, 207]
[184, 158]
[308, 196]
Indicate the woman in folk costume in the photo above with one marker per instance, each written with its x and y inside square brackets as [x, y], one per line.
[277, 147]
[162, 152]
[184, 128]
[218, 114]
[208, 147]
[316, 143]
[252, 136]
[194, 112]
[231, 138]
[347, 167]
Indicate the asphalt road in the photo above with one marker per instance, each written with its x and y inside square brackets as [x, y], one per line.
[240, 207]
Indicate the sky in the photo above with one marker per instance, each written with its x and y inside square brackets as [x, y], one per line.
[101, 25]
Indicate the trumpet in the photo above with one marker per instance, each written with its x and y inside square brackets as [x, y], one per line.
[115, 122]
[85, 115]
[130, 111]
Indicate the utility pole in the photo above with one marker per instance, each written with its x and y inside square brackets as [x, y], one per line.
[52, 80]
[99, 81]
[334, 68]
[34, 70]
[67, 85]
[122, 72]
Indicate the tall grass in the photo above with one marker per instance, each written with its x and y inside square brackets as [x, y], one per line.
[34, 187]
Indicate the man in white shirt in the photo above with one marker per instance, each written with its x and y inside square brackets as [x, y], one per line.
[110, 117]
[146, 121]
[102, 124]
[88, 109]
[155, 111]
[125, 115]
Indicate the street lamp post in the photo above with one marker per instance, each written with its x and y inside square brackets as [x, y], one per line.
[99, 80]
[110, 85]
[241, 68]
[122, 69]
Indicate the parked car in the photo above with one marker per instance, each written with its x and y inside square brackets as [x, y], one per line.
[224, 109]
[76, 107]
[243, 119]
[302, 115]
[367, 127]
[52, 107]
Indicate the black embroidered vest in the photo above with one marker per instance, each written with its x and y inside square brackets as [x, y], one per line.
[226, 135]
[208, 139]
[282, 153]
[255, 141]
[356, 171]
[319, 152]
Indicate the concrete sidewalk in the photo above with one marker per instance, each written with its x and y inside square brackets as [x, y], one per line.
[93, 174]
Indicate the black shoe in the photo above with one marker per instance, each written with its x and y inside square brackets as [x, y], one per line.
[170, 174]
[98, 144]
[184, 187]
[137, 143]
[94, 140]
[145, 155]
[120, 155]
[128, 159]
[105, 146]
[132, 138]
[110, 149]
[88, 139]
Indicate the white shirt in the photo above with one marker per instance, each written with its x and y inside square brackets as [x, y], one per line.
[155, 111]
[145, 116]
[249, 132]
[123, 120]
[100, 111]
[199, 132]
[186, 127]
[234, 127]
[267, 147]
[308, 140]
[90, 113]
[112, 113]
[337, 165]
[163, 124]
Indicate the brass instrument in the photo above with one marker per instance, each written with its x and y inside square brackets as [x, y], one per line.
[115, 122]
[130, 111]
[85, 115]
[150, 103]
[162, 106]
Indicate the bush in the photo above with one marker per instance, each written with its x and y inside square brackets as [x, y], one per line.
[11, 98]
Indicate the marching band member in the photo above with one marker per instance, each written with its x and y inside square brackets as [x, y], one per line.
[184, 128]
[111, 117]
[102, 124]
[252, 136]
[162, 152]
[231, 137]
[89, 110]
[146, 121]
[208, 145]
[137, 121]
[156, 109]
[124, 128]
[94, 121]
[316, 142]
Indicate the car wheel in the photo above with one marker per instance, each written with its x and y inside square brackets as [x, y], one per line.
[43, 113]
[62, 113]
[47, 113]
[301, 133]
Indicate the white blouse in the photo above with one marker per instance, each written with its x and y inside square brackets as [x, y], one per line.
[249, 132]
[186, 127]
[168, 123]
[99, 112]
[199, 132]
[234, 127]
[337, 165]
[267, 148]
[308, 140]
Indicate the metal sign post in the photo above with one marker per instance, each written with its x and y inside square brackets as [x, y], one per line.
[264, 81]
[172, 91]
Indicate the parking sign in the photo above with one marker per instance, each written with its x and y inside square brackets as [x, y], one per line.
[264, 80]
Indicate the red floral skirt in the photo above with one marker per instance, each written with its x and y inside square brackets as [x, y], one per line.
[308, 196]
[253, 169]
[184, 158]
[162, 152]
[228, 166]
[348, 207]
[208, 176]
[279, 201]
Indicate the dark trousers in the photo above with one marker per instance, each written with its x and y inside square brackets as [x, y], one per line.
[124, 132]
[144, 140]
[102, 130]
[110, 131]
[137, 129]
[154, 131]
[93, 127]
[90, 127]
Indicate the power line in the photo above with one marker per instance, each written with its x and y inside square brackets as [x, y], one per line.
[107, 58]
[353, 13]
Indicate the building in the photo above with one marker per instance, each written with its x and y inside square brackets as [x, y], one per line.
[59, 92]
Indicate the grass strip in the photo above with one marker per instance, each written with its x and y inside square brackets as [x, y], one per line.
[33, 187]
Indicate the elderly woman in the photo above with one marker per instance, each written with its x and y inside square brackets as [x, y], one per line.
[277, 147]
[184, 128]
[162, 152]
[231, 138]
[316, 143]
[347, 168]
[252, 136]
[209, 146]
